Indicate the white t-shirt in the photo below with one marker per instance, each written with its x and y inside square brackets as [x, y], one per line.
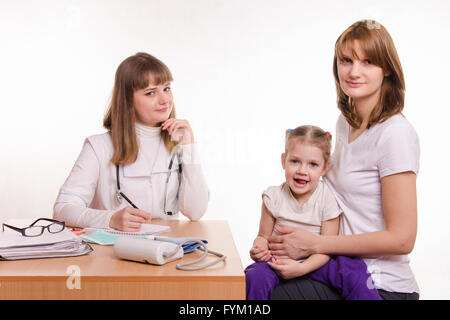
[286, 210]
[355, 177]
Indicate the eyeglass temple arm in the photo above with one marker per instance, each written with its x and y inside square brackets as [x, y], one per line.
[12, 227]
[47, 219]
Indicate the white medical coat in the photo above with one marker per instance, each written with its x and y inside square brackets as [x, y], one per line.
[88, 196]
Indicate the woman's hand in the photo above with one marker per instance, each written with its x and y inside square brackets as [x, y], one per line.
[179, 130]
[128, 219]
[295, 243]
[287, 268]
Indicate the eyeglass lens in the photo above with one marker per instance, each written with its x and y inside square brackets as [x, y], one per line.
[34, 231]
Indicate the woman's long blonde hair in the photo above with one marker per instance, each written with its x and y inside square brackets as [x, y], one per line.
[380, 50]
[131, 75]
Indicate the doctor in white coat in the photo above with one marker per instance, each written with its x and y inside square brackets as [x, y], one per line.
[145, 167]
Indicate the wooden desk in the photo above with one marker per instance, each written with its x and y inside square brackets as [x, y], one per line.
[103, 276]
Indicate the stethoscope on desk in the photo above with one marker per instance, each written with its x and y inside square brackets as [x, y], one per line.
[120, 194]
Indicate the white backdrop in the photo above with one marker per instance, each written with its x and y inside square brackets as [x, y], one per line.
[245, 70]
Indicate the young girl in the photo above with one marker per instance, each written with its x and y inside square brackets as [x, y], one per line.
[373, 171]
[303, 201]
[146, 166]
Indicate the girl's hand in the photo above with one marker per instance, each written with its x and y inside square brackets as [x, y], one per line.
[128, 219]
[295, 243]
[258, 253]
[179, 130]
[287, 268]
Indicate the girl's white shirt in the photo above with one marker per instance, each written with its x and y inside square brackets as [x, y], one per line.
[287, 211]
[88, 196]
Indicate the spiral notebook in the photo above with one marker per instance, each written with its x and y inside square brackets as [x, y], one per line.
[146, 229]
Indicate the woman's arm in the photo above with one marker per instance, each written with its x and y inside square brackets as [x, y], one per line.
[289, 268]
[399, 201]
[77, 192]
[194, 193]
[329, 228]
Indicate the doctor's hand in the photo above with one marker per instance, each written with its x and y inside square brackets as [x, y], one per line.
[128, 219]
[179, 130]
[295, 243]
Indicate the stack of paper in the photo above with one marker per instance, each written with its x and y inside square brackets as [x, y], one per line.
[14, 246]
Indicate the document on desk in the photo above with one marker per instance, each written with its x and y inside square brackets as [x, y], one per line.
[107, 236]
[14, 246]
[146, 230]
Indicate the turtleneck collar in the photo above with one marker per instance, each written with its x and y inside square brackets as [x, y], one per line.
[147, 132]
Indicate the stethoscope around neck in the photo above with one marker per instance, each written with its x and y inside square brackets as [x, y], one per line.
[167, 211]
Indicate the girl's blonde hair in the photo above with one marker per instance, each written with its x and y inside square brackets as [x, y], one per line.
[133, 73]
[380, 50]
[311, 135]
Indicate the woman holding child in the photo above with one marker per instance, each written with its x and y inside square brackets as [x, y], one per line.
[372, 175]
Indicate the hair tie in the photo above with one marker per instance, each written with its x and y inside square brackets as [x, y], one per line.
[328, 133]
[288, 130]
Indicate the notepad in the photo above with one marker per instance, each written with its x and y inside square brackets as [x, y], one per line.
[104, 238]
[146, 229]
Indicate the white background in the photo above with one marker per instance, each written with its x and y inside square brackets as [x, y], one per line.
[244, 72]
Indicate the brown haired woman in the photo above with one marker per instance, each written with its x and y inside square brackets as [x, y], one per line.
[145, 167]
[372, 174]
